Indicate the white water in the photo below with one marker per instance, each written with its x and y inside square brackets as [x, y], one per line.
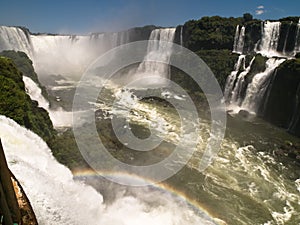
[269, 40]
[236, 38]
[257, 88]
[286, 39]
[59, 117]
[60, 54]
[69, 55]
[236, 93]
[156, 51]
[232, 77]
[181, 36]
[35, 93]
[13, 38]
[239, 40]
[58, 199]
[253, 174]
[297, 42]
[55, 197]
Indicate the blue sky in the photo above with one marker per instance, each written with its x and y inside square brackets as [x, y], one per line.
[91, 15]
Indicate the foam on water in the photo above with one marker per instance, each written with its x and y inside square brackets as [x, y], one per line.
[58, 199]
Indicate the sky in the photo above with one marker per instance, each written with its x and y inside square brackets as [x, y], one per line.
[83, 17]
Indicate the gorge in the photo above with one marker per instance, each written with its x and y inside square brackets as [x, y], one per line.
[254, 179]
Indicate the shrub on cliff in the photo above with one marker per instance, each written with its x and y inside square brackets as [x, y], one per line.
[17, 105]
[210, 33]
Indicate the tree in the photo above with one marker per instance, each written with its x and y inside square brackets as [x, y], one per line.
[247, 17]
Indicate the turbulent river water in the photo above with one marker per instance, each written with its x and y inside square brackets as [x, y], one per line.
[246, 183]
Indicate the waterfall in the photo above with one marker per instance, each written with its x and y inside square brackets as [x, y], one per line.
[240, 85]
[58, 199]
[236, 38]
[297, 39]
[286, 39]
[157, 51]
[239, 40]
[35, 93]
[181, 36]
[15, 38]
[257, 88]
[269, 41]
[59, 117]
[55, 197]
[232, 77]
[68, 55]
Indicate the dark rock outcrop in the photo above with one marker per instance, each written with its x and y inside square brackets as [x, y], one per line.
[282, 104]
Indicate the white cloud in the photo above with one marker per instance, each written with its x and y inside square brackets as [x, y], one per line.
[259, 12]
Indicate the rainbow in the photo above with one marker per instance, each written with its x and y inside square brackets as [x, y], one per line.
[82, 173]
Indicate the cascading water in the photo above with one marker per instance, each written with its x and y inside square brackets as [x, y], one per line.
[232, 77]
[285, 52]
[239, 40]
[14, 38]
[236, 38]
[156, 51]
[257, 88]
[297, 39]
[181, 36]
[59, 117]
[35, 93]
[70, 55]
[236, 85]
[269, 40]
[236, 97]
[268, 47]
[57, 199]
[61, 54]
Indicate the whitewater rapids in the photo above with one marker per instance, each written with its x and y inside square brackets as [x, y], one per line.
[57, 199]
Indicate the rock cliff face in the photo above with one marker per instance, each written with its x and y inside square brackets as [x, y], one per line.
[282, 102]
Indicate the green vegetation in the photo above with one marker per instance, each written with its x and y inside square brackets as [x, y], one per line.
[17, 105]
[64, 149]
[258, 65]
[24, 65]
[210, 33]
[221, 62]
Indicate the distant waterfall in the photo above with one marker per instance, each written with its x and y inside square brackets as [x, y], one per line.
[15, 38]
[239, 40]
[157, 51]
[257, 88]
[285, 52]
[297, 39]
[240, 85]
[64, 54]
[232, 77]
[236, 38]
[70, 55]
[181, 36]
[269, 40]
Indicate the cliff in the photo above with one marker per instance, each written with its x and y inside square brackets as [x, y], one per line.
[17, 105]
